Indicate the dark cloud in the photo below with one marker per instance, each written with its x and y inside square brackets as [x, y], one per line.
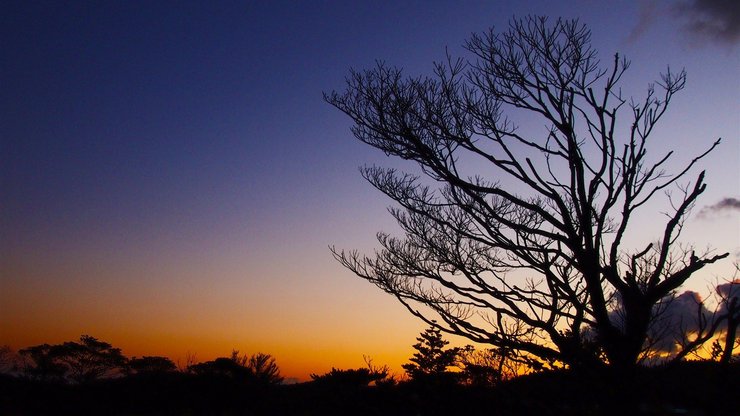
[675, 318]
[728, 291]
[725, 205]
[649, 11]
[678, 317]
[717, 20]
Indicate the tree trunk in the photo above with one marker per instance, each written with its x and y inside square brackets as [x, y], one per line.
[732, 322]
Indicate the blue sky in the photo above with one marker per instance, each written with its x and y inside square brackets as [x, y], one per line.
[171, 177]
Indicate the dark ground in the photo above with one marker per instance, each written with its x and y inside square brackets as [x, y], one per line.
[692, 388]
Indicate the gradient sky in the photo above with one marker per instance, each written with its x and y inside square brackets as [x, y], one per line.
[171, 178]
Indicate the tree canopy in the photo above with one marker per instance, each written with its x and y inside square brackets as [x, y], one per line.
[431, 360]
[84, 361]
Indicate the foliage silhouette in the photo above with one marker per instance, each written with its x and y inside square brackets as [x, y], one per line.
[264, 368]
[356, 378]
[222, 367]
[151, 364]
[8, 359]
[43, 364]
[258, 368]
[694, 387]
[489, 367]
[431, 361]
[514, 238]
[360, 377]
[84, 361]
[90, 358]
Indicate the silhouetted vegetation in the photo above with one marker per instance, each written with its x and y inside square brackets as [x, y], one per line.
[80, 362]
[151, 365]
[489, 367]
[514, 236]
[356, 378]
[256, 369]
[442, 381]
[431, 362]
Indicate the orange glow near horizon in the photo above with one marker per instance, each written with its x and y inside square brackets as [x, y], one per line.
[176, 322]
[307, 328]
[296, 361]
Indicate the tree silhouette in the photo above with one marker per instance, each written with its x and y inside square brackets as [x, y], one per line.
[356, 378]
[729, 309]
[353, 378]
[515, 238]
[8, 359]
[431, 360]
[264, 368]
[260, 368]
[41, 364]
[222, 367]
[489, 367]
[84, 361]
[90, 358]
[151, 365]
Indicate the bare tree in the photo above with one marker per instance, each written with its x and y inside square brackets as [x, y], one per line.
[515, 238]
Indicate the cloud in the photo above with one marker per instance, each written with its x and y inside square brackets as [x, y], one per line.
[725, 205]
[674, 318]
[677, 317]
[728, 291]
[649, 11]
[714, 20]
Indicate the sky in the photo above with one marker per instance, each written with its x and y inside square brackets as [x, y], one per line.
[171, 178]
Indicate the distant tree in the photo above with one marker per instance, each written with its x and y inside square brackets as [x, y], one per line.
[431, 360]
[359, 377]
[190, 360]
[40, 363]
[8, 359]
[260, 368]
[489, 367]
[89, 359]
[354, 378]
[264, 368]
[515, 238]
[222, 367]
[151, 365]
[84, 361]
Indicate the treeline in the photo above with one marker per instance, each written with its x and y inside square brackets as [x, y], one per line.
[90, 376]
[89, 360]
